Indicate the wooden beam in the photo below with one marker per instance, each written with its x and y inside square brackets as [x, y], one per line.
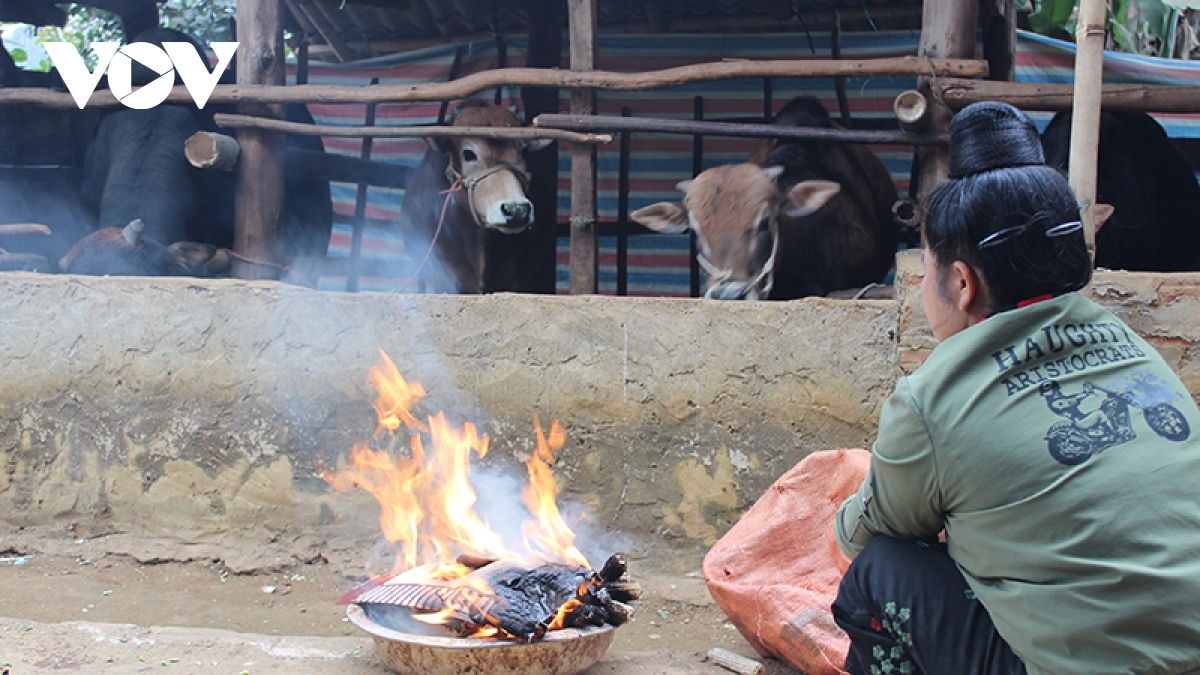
[1085, 115]
[538, 77]
[258, 196]
[948, 29]
[1164, 98]
[324, 28]
[585, 260]
[656, 125]
[517, 133]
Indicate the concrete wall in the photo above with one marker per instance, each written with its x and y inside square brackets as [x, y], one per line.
[180, 418]
[193, 414]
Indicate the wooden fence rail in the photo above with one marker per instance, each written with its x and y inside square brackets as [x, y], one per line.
[1164, 98]
[688, 127]
[535, 77]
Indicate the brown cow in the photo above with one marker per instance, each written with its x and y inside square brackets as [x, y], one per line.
[807, 218]
[467, 200]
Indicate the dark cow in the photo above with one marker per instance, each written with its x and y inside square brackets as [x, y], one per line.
[1155, 221]
[804, 218]
[467, 200]
[136, 169]
[126, 251]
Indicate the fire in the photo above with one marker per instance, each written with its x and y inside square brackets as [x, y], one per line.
[426, 497]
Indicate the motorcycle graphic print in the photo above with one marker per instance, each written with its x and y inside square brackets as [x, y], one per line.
[1098, 418]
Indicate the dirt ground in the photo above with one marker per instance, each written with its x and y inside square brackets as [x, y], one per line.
[114, 615]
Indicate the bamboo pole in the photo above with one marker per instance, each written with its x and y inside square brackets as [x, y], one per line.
[948, 30]
[585, 260]
[912, 110]
[689, 127]
[1085, 117]
[258, 195]
[1165, 98]
[534, 77]
[517, 133]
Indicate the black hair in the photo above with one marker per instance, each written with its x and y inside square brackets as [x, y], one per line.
[1001, 194]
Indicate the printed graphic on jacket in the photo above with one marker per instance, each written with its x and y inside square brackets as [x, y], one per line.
[1098, 418]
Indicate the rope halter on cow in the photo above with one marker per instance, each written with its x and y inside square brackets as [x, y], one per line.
[469, 183]
[764, 281]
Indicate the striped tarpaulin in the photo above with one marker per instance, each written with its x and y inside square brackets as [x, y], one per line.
[658, 264]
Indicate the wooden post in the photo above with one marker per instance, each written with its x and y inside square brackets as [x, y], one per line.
[1085, 116]
[947, 28]
[258, 199]
[581, 21]
[839, 83]
[1000, 38]
[545, 51]
[360, 205]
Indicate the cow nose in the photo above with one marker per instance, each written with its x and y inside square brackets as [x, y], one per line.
[732, 291]
[517, 213]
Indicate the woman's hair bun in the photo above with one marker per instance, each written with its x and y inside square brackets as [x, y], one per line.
[992, 135]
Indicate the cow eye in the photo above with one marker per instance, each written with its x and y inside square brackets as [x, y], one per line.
[764, 225]
[469, 155]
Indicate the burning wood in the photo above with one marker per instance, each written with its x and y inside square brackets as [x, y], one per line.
[452, 569]
[522, 600]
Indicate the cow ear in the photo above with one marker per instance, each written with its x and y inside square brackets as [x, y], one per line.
[773, 172]
[663, 217]
[762, 149]
[442, 144]
[810, 195]
[1101, 213]
[535, 144]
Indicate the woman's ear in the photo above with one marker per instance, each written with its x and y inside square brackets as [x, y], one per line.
[967, 290]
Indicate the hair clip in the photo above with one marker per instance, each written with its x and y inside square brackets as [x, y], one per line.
[1064, 229]
[1001, 236]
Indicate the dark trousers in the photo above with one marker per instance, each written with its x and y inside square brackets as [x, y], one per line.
[908, 610]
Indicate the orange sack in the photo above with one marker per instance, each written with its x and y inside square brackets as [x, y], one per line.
[776, 573]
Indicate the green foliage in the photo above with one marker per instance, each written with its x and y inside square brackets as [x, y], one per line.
[1052, 17]
[206, 20]
[85, 25]
[1147, 27]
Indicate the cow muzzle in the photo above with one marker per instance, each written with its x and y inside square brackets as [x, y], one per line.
[518, 215]
[734, 290]
[505, 208]
[722, 285]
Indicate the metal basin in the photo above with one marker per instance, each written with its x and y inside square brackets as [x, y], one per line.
[562, 652]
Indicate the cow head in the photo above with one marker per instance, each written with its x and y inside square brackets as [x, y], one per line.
[124, 251]
[492, 171]
[735, 211]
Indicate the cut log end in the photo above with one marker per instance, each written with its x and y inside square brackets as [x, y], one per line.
[912, 110]
[207, 150]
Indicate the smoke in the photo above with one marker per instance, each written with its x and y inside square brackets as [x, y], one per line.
[49, 195]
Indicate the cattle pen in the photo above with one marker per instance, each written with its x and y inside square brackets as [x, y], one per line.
[167, 444]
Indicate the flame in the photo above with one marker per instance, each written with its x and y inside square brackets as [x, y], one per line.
[427, 502]
[548, 533]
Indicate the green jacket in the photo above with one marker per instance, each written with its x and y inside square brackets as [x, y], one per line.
[1062, 457]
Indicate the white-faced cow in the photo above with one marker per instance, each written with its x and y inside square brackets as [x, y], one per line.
[801, 218]
[468, 201]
